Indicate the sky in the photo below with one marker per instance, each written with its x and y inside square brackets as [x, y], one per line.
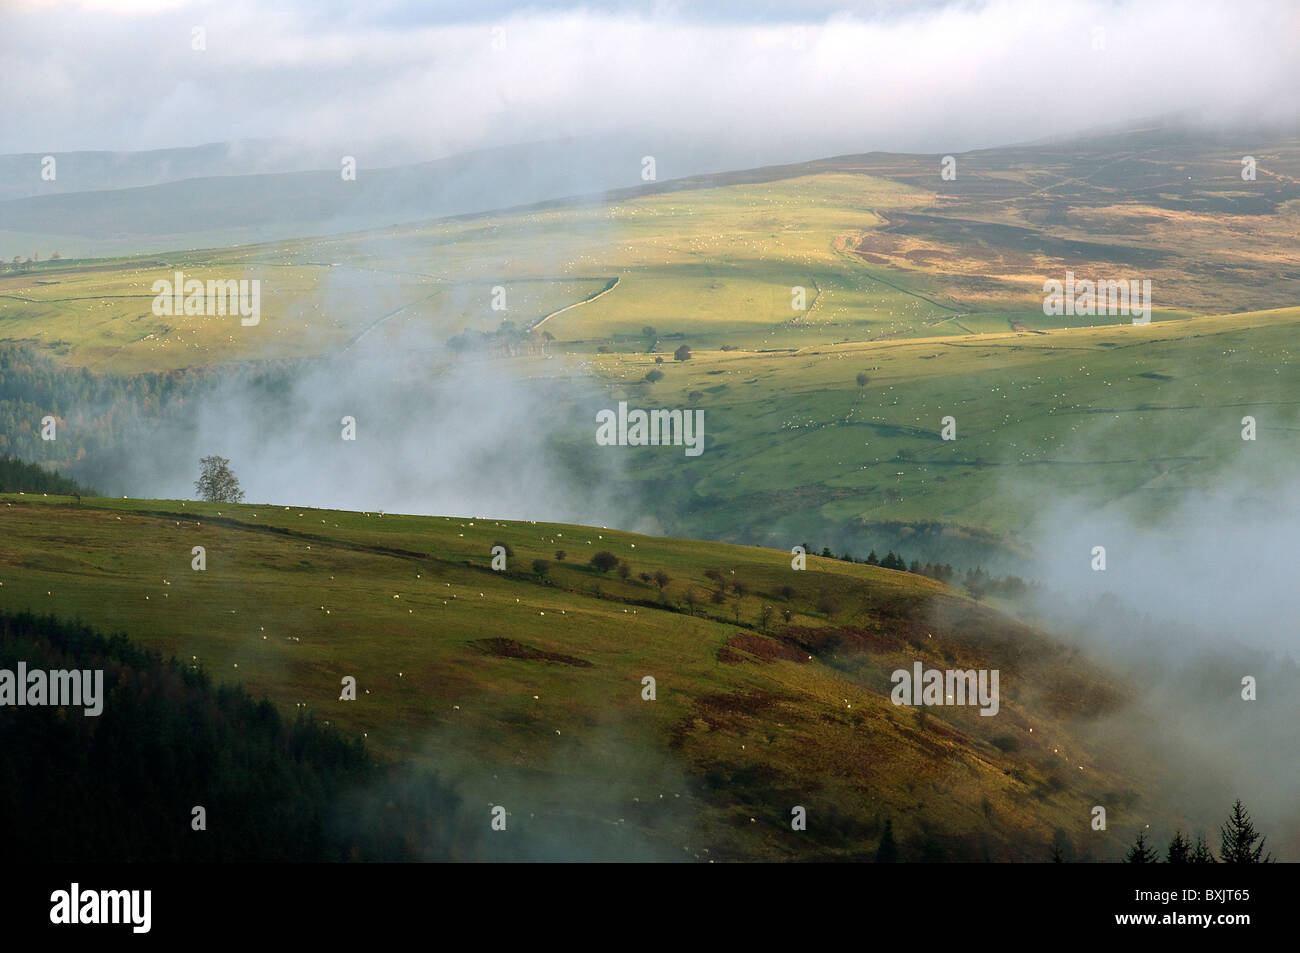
[746, 83]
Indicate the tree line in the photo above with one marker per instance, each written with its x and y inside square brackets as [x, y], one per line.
[17, 476]
[96, 415]
[975, 581]
[1239, 843]
[122, 786]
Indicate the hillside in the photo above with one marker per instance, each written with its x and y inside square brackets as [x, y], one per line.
[525, 689]
[882, 245]
[1112, 419]
[828, 319]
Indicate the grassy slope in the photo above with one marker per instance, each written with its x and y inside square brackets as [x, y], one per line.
[723, 259]
[744, 725]
[882, 244]
[1102, 416]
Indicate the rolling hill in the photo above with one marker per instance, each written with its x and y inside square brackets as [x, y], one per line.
[525, 688]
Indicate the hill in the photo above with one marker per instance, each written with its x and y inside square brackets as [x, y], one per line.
[524, 688]
[882, 246]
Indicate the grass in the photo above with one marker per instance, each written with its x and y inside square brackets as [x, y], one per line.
[881, 247]
[1101, 416]
[745, 724]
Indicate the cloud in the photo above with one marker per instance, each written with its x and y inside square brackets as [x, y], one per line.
[785, 82]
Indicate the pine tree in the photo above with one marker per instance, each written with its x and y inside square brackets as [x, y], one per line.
[1201, 853]
[887, 853]
[1238, 839]
[1180, 850]
[1141, 852]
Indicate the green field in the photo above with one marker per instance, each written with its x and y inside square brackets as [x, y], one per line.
[933, 289]
[528, 691]
[1129, 417]
[880, 246]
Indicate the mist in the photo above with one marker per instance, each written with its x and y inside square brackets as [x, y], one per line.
[795, 81]
[447, 438]
[1198, 592]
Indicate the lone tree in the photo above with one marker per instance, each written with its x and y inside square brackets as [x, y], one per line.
[1238, 839]
[216, 482]
[683, 353]
[604, 561]
[863, 379]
